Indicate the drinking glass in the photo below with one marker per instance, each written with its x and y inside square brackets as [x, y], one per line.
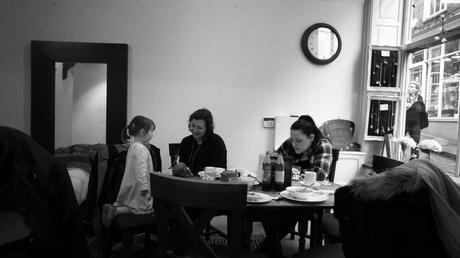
[325, 180]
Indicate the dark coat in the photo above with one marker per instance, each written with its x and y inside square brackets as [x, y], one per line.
[401, 227]
[36, 186]
[416, 119]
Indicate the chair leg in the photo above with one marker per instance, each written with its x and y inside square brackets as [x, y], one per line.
[207, 232]
[147, 244]
[247, 232]
[292, 234]
[127, 239]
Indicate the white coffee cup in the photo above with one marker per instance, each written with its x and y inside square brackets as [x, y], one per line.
[309, 177]
[210, 173]
[209, 169]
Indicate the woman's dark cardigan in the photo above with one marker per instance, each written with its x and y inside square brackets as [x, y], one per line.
[212, 152]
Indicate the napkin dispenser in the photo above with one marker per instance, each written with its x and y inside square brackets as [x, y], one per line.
[229, 176]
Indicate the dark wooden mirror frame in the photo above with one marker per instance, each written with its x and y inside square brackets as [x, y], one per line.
[44, 54]
[306, 51]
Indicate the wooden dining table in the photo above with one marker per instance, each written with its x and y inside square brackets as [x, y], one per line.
[270, 213]
[274, 211]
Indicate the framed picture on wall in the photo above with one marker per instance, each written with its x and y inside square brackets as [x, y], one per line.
[383, 69]
[381, 117]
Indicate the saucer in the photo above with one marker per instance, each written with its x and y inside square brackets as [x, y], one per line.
[255, 197]
[311, 198]
[314, 184]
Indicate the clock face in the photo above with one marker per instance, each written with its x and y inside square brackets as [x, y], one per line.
[321, 43]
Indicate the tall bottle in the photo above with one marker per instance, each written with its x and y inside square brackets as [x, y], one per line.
[267, 173]
[279, 173]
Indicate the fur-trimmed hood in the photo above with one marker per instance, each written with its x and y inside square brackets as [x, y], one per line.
[412, 176]
[386, 185]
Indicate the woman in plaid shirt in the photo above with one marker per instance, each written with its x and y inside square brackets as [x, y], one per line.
[308, 148]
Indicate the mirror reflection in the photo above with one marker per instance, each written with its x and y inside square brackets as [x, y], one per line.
[323, 43]
[80, 103]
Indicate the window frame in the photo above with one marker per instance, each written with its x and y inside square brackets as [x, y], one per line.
[427, 6]
[412, 45]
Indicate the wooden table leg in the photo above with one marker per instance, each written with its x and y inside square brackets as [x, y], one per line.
[315, 235]
[274, 242]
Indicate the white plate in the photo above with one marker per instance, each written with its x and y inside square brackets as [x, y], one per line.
[313, 198]
[314, 184]
[255, 197]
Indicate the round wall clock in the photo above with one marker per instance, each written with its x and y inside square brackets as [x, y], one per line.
[321, 43]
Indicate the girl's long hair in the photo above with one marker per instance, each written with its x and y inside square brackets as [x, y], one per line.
[135, 126]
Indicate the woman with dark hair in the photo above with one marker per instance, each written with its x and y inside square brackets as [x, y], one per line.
[307, 146]
[203, 147]
[309, 150]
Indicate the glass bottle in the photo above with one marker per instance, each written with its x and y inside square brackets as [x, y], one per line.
[267, 173]
[279, 173]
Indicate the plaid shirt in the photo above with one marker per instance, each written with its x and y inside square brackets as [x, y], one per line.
[317, 158]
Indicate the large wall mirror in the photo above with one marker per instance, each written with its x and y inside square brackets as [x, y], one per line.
[79, 93]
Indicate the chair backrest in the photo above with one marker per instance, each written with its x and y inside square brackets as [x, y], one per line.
[402, 226]
[174, 151]
[335, 157]
[172, 194]
[381, 163]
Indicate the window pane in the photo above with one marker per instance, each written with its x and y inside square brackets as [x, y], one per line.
[450, 100]
[435, 51]
[450, 87]
[451, 46]
[433, 89]
[417, 56]
[416, 75]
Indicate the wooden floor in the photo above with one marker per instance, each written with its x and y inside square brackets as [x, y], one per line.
[288, 246]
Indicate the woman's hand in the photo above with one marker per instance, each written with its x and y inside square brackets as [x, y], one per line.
[181, 170]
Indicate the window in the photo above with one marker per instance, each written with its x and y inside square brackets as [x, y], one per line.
[433, 8]
[424, 17]
[440, 88]
[436, 70]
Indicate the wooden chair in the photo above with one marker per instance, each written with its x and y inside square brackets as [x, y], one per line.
[209, 230]
[331, 176]
[125, 225]
[174, 152]
[329, 224]
[173, 195]
[381, 163]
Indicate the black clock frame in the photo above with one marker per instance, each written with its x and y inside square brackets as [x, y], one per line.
[306, 51]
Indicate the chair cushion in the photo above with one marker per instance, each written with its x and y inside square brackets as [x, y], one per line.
[132, 221]
[328, 251]
[12, 227]
[80, 181]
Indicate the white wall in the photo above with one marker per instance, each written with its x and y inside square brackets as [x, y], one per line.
[241, 59]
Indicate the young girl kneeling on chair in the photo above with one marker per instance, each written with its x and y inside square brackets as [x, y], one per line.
[134, 195]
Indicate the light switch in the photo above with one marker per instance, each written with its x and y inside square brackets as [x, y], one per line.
[269, 122]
